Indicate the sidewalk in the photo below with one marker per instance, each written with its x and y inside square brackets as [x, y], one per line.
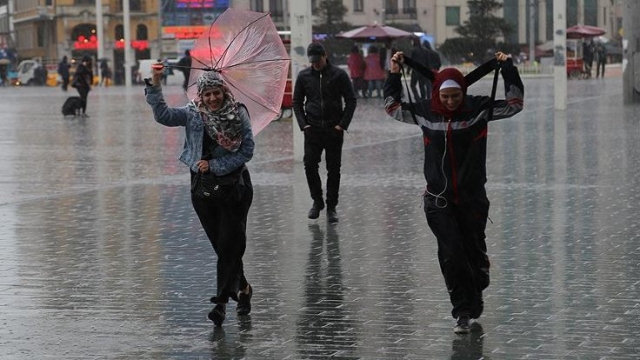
[102, 257]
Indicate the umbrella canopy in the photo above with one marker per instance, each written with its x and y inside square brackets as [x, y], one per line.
[245, 48]
[580, 31]
[374, 31]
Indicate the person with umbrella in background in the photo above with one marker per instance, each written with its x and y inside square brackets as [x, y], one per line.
[454, 127]
[218, 144]
[318, 104]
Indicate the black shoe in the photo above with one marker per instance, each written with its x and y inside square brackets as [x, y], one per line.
[314, 212]
[244, 302]
[462, 325]
[217, 314]
[332, 215]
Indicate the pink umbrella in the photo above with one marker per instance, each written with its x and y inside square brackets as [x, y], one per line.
[247, 51]
[580, 31]
[374, 31]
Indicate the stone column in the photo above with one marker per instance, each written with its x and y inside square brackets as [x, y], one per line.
[300, 22]
[631, 52]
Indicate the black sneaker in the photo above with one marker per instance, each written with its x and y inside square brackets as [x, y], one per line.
[462, 325]
[332, 215]
[244, 302]
[217, 314]
[314, 212]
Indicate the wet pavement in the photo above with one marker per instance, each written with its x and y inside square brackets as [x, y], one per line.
[102, 256]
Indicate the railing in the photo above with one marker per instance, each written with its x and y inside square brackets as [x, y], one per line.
[401, 16]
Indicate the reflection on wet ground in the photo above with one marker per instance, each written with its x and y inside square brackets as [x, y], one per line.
[102, 256]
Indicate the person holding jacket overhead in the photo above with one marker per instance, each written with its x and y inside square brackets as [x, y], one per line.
[454, 128]
[318, 104]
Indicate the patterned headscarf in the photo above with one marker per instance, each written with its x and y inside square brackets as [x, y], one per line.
[224, 125]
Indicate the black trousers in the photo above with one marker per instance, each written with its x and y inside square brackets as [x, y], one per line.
[83, 91]
[329, 140]
[462, 250]
[225, 223]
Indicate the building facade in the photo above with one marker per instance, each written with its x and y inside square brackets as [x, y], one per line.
[50, 29]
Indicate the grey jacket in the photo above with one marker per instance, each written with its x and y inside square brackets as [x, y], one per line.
[223, 161]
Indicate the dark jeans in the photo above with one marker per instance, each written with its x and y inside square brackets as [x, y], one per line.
[462, 250]
[600, 68]
[329, 140]
[225, 223]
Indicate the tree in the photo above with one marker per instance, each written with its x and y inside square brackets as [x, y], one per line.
[478, 35]
[330, 14]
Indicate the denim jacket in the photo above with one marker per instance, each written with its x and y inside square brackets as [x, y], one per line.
[223, 161]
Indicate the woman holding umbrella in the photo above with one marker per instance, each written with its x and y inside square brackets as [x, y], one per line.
[218, 143]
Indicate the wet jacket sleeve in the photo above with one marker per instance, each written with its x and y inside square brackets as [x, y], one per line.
[514, 93]
[420, 68]
[416, 113]
[298, 102]
[162, 113]
[234, 160]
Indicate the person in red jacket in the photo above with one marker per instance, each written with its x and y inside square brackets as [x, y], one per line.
[454, 127]
[356, 70]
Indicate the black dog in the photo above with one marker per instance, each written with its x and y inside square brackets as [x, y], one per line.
[72, 106]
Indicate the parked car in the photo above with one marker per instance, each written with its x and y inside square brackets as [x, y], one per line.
[31, 72]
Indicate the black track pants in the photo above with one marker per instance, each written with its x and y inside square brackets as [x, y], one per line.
[462, 250]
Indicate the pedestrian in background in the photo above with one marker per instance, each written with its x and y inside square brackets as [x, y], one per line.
[373, 73]
[184, 64]
[454, 127]
[82, 81]
[218, 142]
[105, 73]
[588, 53]
[601, 59]
[356, 71]
[63, 71]
[434, 63]
[418, 81]
[318, 98]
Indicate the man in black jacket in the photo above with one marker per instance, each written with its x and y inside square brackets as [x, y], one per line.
[318, 105]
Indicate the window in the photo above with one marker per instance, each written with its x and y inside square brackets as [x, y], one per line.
[276, 10]
[453, 15]
[141, 32]
[257, 5]
[40, 36]
[88, 2]
[409, 7]
[358, 5]
[391, 6]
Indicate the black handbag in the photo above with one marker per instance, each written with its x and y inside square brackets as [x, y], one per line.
[209, 186]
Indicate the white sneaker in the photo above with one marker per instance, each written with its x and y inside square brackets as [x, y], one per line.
[462, 325]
